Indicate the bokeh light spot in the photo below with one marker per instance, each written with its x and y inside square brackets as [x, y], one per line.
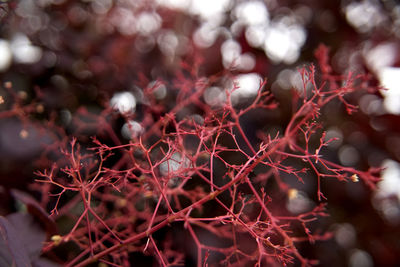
[124, 102]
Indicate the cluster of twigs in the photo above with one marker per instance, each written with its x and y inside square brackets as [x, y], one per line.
[193, 187]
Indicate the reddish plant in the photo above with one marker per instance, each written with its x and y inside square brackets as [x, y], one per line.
[193, 183]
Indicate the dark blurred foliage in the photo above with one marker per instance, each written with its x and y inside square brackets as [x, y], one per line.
[79, 53]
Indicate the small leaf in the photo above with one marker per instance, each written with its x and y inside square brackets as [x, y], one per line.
[36, 211]
[56, 239]
[354, 178]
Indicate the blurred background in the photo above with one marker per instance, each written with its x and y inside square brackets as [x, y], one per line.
[84, 53]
